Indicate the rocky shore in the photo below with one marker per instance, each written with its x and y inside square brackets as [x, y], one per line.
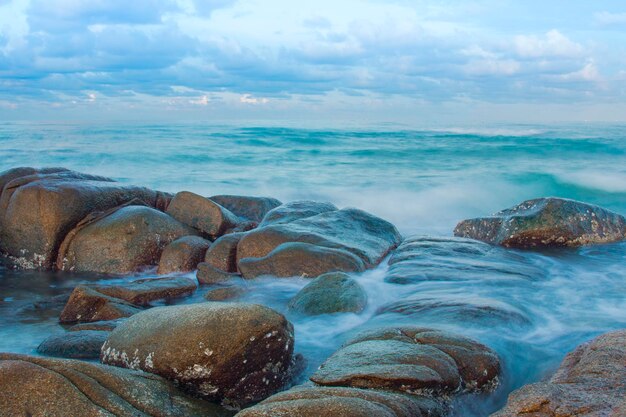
[221, 357]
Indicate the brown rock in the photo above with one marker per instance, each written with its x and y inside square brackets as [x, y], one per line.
[121, 242]
[250, 208]
[142, 292]
[38, 210]
[234, 353]
[44, 387]
[343, 402]
[226, 293]
[87, 305]
[207, 275]
[183, 255]
[591, 382]
[223, 252]
[202, 214]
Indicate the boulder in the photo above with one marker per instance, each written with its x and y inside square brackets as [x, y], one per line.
[411, 359]
[41, 387]
[38, 208]
[202, 214]
[250, 208]
[123, 241]
[183, 255]
[144, 291]
[362, 234]
[105, 325]
[208, 275]
[546, 222]
[88, 305]
[225, 293]
[591, 381]
[344, 402]
[223, 252]
[233, 353]
[84, 344]
[333, 292]
[297, 259]
[295, 210]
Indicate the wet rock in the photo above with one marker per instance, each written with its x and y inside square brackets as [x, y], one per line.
[208, 275]
[233, 353]
[411, 359]
[38, 208]
[223, 252]
[105, 326]
[330, 293]
[250, 208]
[88, 305]
[425, 258]
[591, 381]
[229, 292]
[300, 259]
[362, 234]
[183, 255]
[343, 402]
[84, 344]
[546, 222]
[40, 387]
[296, 210]
[124, 241]
[202, 214]
[142, 292]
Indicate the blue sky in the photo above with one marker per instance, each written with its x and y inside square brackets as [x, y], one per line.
[416, 61]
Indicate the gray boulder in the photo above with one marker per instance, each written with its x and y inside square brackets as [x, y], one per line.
[249, 208]
[84, 344]
[546, 222]
[333, 292]
[296, 210]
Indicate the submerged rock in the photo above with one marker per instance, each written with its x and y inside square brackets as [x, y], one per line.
[202, 214]
[546, 222]
[591, 381]
[225, 293]
[296, 210]
[249, 208]
[143, 291]
[302, 260]
[83, 344]
[105, 325]
[40, 387]
[343, 402]
[38, 208]
[411, 359]
[233, 353]
[183, 255]
[88, 305]
[121, 242]
[330, 293]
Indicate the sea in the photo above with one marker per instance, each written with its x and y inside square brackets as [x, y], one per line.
[422, 179]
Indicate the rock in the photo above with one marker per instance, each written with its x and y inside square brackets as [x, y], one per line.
[105, 325]
[84, 344]
[202, 214]
[142, 292]
[37, 210]
[295, 210]
[183, 255]
[250, 208]
[41, 387]
[364, 235]
[233, 353]
[343, 402]
[411, 359]
[224, 293]
[223, 252]
[296, 259]
[208, 275]
[121, 242]
[334, 292]
[591, 381]
[546, 222]
[88, 305]
[425, 258]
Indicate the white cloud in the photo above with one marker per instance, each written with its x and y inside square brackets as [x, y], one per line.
[588, 73]
[202, 101]
[610, 19]
[553, 44]
[492, 67]
[248, 99]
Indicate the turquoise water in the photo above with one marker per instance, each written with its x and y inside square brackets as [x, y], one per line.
[423, 180]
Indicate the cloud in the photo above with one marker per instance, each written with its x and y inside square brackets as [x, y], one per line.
[248, 99]
[553, 44]
[610, 19]
[588, 73]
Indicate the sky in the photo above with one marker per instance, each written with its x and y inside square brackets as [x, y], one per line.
[422, 62]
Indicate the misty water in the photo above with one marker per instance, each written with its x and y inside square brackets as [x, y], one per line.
[531, 307]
